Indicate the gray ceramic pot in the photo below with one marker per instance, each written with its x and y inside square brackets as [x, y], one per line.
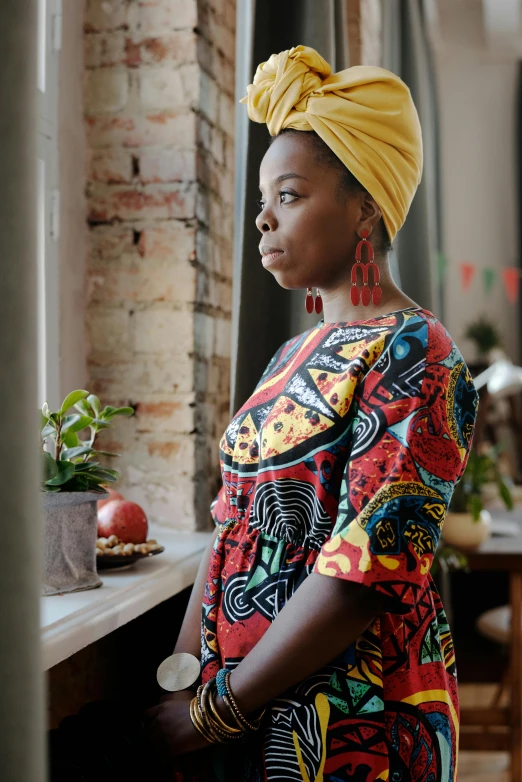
[69, 541]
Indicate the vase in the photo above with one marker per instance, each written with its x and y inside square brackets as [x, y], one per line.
[70, 523]
[463, 532]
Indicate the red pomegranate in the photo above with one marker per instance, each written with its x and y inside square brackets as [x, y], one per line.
[124, 519]
[113, 495]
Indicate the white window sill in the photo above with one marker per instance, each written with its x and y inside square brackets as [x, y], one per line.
[73, 621]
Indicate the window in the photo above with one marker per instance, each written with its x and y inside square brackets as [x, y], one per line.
[49, 44]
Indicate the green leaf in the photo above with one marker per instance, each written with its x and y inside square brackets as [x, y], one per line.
[102, 476]
[475, 506]
[65, 472]
[49, 466]
[70, 439]
[505, 494]
[46, 487]
[76, 422]
[85, 466]
[48, 431]
[99, 424]
[94, 403]
[45, 410]
[71, 399]
[106, 453]
[83, 407]
[68, 454]
[124, 411]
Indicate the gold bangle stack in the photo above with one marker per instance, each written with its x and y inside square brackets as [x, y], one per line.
[207, 721]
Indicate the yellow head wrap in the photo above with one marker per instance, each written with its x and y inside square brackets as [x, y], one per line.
[364, 114]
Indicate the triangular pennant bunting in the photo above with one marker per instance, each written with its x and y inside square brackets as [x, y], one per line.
[489, 279]
[511, 278]
[467, 272]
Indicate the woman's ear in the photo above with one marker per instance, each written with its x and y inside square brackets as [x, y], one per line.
[370, 213]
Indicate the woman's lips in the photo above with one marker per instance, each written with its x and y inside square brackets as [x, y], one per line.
[268, 259]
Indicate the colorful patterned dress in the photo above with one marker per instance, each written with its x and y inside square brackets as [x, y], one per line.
[343, 462]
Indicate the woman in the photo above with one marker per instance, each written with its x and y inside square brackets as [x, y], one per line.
[337, 472]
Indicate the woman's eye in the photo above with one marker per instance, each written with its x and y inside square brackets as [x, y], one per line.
[286, 198]
[260, 204]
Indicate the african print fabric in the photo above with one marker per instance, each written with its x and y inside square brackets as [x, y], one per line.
[343, 462]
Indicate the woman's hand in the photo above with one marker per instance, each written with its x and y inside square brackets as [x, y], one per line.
[170, 729]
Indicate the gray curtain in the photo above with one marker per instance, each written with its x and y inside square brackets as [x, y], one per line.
[406, 52]
[265, 315]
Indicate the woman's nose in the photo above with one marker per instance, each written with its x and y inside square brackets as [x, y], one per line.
[266, 221]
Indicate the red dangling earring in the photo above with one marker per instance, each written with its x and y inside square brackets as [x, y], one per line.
[318, 302]
[309, 301]
[365, 296]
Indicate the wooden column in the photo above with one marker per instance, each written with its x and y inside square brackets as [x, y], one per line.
[21, 691]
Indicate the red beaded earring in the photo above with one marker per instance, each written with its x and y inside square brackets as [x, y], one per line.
[311, 304]
[366, 295]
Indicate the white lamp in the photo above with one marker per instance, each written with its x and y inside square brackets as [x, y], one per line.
[502, 376]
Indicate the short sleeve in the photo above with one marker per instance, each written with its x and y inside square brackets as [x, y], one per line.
[411, 435]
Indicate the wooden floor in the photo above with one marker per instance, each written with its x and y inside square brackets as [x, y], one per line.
[481, 766]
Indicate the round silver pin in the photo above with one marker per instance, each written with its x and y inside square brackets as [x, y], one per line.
[178, 671]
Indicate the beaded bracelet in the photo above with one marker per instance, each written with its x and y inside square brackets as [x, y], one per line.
[230, 701]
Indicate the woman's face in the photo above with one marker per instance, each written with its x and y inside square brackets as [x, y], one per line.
[309, 230]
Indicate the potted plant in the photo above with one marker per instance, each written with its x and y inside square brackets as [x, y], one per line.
[485, 335]
[73, 481]
[468, 523]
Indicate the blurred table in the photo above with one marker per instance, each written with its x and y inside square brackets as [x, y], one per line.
[502, 553]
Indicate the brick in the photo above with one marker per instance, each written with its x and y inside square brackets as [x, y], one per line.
[167, 165]
[154, 17]
[113, 165]
[178, 47]
[165, 415]
[150, 373]
[106, 89]
[160, 88]
[164, 127]
[109, 243]
[117, 202]
[140, 281]
[105, 15]
[217, 146]
[209, 98]
[103, 50]
[163, 331]
[109, 332]
[226, 114]
[166, 241]
[223, 338]
[204, 326]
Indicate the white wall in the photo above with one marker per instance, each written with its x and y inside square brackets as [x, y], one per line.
[477, 91]
[73, 230]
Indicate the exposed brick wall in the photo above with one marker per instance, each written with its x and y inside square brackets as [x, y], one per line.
[160, 126]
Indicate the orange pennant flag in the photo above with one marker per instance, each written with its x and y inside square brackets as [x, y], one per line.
[511, 278]
[467, 272]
